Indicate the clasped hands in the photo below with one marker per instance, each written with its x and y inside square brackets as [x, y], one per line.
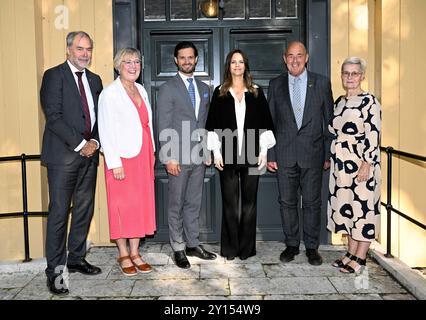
[89, 149]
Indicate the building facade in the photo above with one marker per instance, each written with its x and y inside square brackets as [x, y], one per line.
[386, 33]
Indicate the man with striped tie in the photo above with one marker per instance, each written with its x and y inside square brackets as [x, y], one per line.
[69, 98]
[301, 104]
[183, 104]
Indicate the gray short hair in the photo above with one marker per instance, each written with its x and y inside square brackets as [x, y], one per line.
[71, 36]
[355, 60]
[118, 58]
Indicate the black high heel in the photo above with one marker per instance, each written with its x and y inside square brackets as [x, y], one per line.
[360, 263]
[339, 262]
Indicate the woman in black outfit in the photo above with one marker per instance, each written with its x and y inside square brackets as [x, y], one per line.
[240, 133]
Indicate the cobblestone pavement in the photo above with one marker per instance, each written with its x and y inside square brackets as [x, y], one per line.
[262, 277]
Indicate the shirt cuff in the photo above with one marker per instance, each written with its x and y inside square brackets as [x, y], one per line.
[80, 146]
[266, 141]
[213, 143]
[97, 143]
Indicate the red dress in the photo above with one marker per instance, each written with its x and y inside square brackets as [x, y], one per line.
[131, 202]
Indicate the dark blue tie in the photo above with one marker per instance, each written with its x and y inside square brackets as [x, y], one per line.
[191, 91]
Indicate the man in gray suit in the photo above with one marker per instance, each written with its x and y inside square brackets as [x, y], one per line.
[301, 104]
[183, 103]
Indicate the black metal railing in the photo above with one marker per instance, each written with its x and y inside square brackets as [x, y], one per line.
[389, 208]
[24, 213]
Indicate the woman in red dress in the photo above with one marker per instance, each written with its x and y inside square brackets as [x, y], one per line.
[125, 130]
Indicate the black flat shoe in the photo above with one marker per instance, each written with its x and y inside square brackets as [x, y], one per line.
[314, 257]
[288, 254]
[84, 267]
[200, 252]
[181, 260]
[57, 286]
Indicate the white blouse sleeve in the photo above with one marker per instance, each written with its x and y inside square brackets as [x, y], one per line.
[266, 141]
[213, 143]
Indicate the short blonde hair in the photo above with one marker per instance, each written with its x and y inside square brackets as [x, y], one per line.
[119, 56]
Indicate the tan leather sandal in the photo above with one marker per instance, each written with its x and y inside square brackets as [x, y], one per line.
[127, 271]
[143, 267]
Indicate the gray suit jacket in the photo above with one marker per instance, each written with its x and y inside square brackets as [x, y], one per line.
[175, 112]
[310, 145]
[61, 103]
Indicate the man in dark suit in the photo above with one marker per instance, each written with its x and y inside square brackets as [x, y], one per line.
[183, 103]
[69, 98]
[301, 104]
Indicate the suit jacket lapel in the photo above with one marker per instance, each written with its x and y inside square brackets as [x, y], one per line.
[309, 96]
[201, 93]
[71, 81]
[91, 80]
[287, 98]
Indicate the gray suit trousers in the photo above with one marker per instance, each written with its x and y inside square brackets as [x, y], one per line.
[185, 195]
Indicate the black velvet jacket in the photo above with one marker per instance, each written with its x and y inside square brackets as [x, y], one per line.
[222, 119]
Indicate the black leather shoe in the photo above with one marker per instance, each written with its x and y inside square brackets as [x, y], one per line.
[200, 252]
[57, 286]
[288, 254]
[83, 267]
[314, 257]
[181, 260]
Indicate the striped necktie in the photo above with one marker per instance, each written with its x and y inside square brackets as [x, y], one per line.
[191, 91]
[297, 102]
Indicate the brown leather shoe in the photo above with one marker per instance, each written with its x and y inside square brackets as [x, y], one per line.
[143, 267]
[127, 271]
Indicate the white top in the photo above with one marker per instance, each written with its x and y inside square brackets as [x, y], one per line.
[240, 114]
[120, 129]
[197, 95]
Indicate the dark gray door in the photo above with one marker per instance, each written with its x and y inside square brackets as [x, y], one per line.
[261, 28]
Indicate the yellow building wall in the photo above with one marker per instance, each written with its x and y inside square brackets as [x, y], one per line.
[19, 126]
[32, 33]
[387, 34]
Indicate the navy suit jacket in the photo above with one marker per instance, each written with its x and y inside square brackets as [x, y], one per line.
[65, 125]
[309, 146]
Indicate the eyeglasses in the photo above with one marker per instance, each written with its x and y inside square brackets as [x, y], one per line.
[128, 63]
[346, 74]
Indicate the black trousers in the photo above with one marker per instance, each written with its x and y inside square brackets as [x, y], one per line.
[75, 182]
[309, 181]
[238, 234]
